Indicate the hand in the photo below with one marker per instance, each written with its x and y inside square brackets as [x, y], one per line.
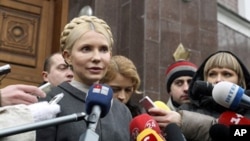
[43, 110]
[20, 94]
[163, 117]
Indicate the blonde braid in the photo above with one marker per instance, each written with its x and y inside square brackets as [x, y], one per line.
[84, 19]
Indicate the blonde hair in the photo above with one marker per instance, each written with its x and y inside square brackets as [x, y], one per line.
[79, 26]
[125, 67]
[225, 60]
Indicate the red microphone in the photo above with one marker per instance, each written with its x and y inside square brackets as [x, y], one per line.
[145, 127]
[232, 118]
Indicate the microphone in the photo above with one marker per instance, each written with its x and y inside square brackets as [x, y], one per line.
[98, 103]
[230, 95]
[148, 134]
[202, 88]
[42, 124]
[161, 105]
[174, 133]
[5, 69]
[219, 132]
[98, 100]
[231, 118]
[142, 122]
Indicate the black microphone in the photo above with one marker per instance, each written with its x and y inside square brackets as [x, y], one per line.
[98, 104]
[173, 133]
[219, 132]
[5, 69]
[202, 88]
[42, 124]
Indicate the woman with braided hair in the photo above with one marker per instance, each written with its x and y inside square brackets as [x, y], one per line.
[86, 44]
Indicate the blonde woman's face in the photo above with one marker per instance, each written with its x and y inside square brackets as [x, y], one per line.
[122, 88]
[216, 75]
[89, 57]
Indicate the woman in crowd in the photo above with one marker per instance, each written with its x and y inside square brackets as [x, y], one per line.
[196, 118]
[123, 78]
[86, 44]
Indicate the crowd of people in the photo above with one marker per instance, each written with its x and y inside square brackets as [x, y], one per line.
[86, 59]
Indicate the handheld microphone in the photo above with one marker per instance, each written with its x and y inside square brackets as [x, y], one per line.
[98, 104]
[141, 122]
[99, 99]
[219, 132]
[202, 88]
[230, 95]
[161, 105]
[232, 118]
[174, 133]
[5, 69]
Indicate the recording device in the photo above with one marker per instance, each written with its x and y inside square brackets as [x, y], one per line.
[142, 122]
[230, 95]
[202, 88]
[219, 132]
[232, 118]
[98, 104]
[56, 98]
[45, 87]
[147, 103]
[5, 69]
[173, 133]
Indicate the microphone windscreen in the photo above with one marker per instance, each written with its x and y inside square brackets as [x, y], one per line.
[141, 122]
[202, 88]
[162, 105]
[219, 132]
[101, 95]
[227, 94]
[173, 133]
[232, 118]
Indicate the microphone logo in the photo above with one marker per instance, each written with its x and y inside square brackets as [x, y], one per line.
[100, 89]
[236, 120]
[149, 137]
[231, 93]
[150, 124]
[135, 132]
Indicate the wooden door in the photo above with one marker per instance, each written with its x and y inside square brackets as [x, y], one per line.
[28, 34]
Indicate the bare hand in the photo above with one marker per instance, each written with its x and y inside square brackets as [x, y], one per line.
[20, 94]
[163, 117]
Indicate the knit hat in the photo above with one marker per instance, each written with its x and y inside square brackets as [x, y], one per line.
[177, 69]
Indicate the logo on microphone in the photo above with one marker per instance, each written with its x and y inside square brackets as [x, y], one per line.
[135, 133]
[150, 124]
[100, 89]
[149, 137]
[236, 120]
[231, 93]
